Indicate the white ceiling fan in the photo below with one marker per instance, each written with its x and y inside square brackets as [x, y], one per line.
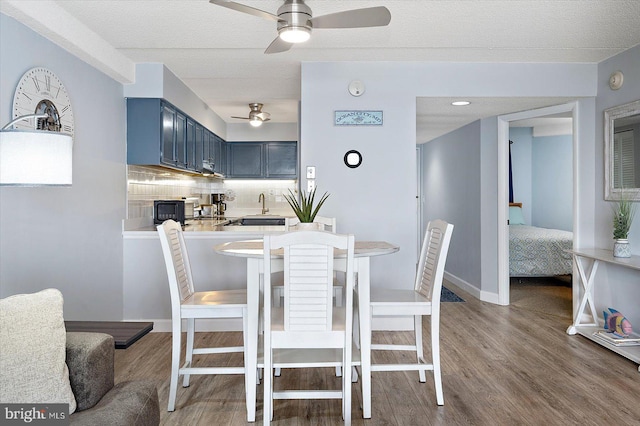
[256, 116]
[295, 20]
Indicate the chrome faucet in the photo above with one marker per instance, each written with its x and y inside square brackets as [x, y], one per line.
[262, 198]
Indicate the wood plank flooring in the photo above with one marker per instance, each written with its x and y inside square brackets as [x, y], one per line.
[500, 365]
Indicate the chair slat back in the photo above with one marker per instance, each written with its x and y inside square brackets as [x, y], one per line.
[308, 277]
[433, 257]
[308, 287]
[176, 260]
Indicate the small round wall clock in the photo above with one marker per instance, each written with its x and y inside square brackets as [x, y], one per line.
[40, 91]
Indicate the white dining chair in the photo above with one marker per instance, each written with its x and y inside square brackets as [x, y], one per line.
[423, 300]
[190, 305]
[296, 334]
[329, 225]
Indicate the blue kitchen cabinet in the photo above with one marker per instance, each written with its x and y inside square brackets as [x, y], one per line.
[159, 134]
[206, 150]
[281, 160]
[180, 138]
[219, 154]
[245, 160]
[195, 137]
[168, 149]
[262, 160]
[199, 150]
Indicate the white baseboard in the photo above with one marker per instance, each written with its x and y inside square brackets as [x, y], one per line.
[485, 296]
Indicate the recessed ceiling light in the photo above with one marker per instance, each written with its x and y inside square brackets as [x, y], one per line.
[460, 103]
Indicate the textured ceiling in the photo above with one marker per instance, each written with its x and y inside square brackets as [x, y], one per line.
[218, 52]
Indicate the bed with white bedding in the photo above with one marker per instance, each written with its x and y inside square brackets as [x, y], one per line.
[535, 252]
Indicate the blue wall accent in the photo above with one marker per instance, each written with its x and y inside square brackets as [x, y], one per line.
[522, 138]
[552, 178]
[543, 178]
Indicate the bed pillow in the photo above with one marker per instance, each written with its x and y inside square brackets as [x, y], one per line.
[33, 350]
[515, 216]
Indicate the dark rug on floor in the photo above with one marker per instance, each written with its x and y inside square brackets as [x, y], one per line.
[449, 296]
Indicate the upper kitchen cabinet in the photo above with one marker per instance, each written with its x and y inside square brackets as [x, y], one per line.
[161, 135]
[281, 160]
[262, 160]
[218, 148]
[245, 160]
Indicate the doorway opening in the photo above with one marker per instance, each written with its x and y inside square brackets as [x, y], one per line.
[504, 123]
[541, 226]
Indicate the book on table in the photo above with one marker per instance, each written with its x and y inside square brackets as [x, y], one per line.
[616, 339]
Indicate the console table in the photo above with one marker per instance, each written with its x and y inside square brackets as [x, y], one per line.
[587, 261]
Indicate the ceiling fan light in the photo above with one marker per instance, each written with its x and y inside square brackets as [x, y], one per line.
[295, 34]
[255, 122]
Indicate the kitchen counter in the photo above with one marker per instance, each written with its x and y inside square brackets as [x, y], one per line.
[199, 228]
[145, 284]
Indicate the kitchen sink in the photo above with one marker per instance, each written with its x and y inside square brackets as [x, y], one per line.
[257, 220]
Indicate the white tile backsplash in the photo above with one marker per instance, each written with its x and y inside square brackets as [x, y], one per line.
[146, 184]
[248, 192]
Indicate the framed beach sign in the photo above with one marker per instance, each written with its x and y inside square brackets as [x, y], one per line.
[358, 118]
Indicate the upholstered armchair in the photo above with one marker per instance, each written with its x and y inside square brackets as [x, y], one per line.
[40, 363]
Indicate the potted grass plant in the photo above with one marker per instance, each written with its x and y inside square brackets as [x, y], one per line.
[623, 214]
[304, 209]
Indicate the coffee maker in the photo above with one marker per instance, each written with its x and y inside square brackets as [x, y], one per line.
[218, 201]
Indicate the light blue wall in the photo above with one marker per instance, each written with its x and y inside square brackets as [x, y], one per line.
[618, 287]
[154, 80]
[378, 200]
[521, 155]
[543, 178]
[67, 237]
[552, 178]
[462, 148]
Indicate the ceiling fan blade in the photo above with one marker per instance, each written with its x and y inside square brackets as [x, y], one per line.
[278, 45]
[357, 18]
[246, 9]
[241, 118]
[264, 116]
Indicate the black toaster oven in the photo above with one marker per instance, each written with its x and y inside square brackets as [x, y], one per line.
[168, 209]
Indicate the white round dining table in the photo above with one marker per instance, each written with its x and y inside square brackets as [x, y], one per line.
[252, 250]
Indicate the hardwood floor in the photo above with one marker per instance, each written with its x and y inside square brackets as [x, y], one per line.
[500, 365]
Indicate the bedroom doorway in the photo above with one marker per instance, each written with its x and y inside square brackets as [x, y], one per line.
[504, 123]
[541, 215]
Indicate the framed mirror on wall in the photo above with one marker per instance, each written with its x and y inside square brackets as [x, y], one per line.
[622, 152]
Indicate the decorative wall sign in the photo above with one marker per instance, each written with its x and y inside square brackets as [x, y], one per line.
[358, 118]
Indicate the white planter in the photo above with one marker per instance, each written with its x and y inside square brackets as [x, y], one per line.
[308, 226]
[621, 248]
